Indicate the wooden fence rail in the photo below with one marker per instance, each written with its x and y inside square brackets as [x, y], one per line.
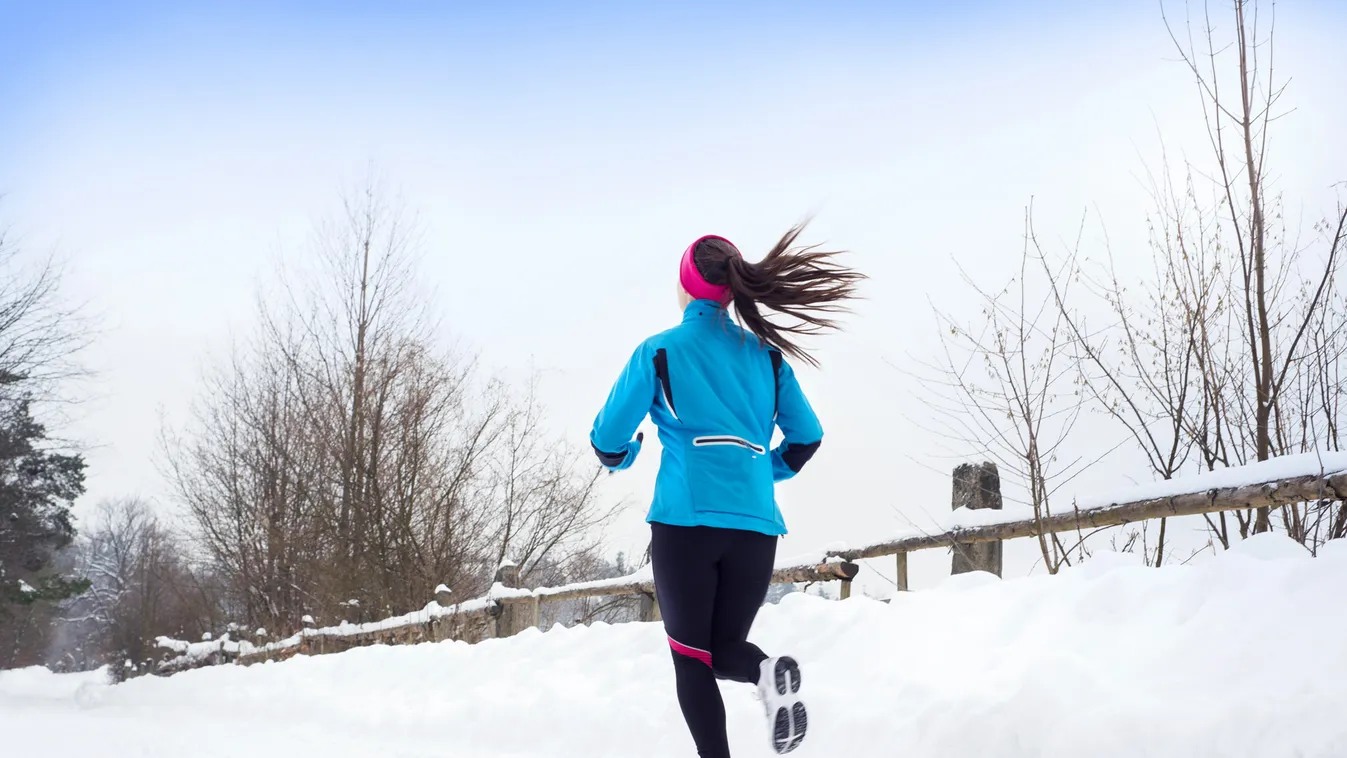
[509, 609]
[1271, 494]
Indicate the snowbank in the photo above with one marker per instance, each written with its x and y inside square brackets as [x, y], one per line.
[1239, 656]
[38, 683]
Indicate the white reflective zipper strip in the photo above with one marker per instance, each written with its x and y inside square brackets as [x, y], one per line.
[728, 439]
[665, 392]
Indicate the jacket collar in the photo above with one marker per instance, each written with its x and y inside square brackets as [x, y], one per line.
[702, 310]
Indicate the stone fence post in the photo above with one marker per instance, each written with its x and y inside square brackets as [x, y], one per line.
[977, 486]
[514, 617]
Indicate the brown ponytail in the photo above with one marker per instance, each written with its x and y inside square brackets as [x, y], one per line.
[797, 281]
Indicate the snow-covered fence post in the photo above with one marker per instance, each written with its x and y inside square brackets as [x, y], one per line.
[307, 639]
[441, 627]
[516, 616]
[977, 486]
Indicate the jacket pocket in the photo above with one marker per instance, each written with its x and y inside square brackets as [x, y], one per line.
[729, 474]
[728, 439]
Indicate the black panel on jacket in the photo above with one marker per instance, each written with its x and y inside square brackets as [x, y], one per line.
[796, 455]
[662, 374]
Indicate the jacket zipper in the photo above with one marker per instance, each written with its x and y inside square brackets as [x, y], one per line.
[726, 439]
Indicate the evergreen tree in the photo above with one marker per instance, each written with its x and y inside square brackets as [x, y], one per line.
[37, 489]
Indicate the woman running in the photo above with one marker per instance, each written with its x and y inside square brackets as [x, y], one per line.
[716, 391]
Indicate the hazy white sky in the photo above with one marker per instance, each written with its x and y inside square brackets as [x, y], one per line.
[560, 164]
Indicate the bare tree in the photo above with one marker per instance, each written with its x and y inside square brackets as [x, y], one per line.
[1006, 389]
[1230, 349]
[143, 585]
[1149, 367]
[41, 337]
[343, 465]
[545, 493]
[246, 474]
[1280, 298]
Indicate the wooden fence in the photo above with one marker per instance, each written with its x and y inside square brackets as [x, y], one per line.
[509, 609]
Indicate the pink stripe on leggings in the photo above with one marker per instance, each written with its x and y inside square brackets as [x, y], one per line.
[690, 652]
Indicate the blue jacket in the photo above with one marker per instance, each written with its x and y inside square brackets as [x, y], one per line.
[716, 393]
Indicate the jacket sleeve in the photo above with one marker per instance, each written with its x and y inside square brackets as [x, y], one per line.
[628, 403]
[800, 429]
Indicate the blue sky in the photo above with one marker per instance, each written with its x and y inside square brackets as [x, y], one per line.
[58, 51]
[560, 159]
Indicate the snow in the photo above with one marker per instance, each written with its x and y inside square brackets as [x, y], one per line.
[37, 683]
[497, 594]
[644, 575]
[1316, 464]
[433, 610]
[501, 592]
[194, 650]
[1323, 463]
[1269, 546]
[1233, 657]
[27, 588]
[443, 589]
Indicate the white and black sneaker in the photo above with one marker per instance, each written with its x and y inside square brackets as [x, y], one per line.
[779, 689]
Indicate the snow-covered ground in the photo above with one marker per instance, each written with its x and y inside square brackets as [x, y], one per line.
[1241, 655]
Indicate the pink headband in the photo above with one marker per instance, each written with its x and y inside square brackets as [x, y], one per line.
[692, 279]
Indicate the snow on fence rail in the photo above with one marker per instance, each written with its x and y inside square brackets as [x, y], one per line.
[974, 530]
[1278, 482]
[504, 611]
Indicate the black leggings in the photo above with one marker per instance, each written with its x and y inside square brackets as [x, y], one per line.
[710, 584]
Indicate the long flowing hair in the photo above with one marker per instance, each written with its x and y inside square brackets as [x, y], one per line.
[803, 283]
